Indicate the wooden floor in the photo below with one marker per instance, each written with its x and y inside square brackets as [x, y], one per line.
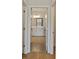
[38, 44]
[39, 56]
[38, 39]
[38, 50]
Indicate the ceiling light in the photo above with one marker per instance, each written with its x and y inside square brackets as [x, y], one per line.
[36, 16]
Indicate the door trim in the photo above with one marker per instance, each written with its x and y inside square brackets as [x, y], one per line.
[49, 49]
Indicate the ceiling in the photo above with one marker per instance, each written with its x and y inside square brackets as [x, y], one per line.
[38, 2]
[39, 11]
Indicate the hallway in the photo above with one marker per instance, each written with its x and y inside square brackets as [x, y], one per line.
[39, 29]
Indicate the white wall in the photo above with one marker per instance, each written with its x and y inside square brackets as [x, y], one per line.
[25, 32]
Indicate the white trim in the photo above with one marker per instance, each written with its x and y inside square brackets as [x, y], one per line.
[29, 29]
[49, 26]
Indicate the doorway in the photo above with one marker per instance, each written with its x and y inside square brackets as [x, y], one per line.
[39, 26]
[48, 38]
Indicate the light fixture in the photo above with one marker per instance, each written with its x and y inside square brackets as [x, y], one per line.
[36, 16]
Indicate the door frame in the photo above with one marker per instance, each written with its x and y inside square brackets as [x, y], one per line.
[49, 49]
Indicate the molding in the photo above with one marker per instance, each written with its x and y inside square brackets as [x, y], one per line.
[53, 4]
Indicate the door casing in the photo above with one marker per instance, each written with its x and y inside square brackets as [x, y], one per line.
[49, 49]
